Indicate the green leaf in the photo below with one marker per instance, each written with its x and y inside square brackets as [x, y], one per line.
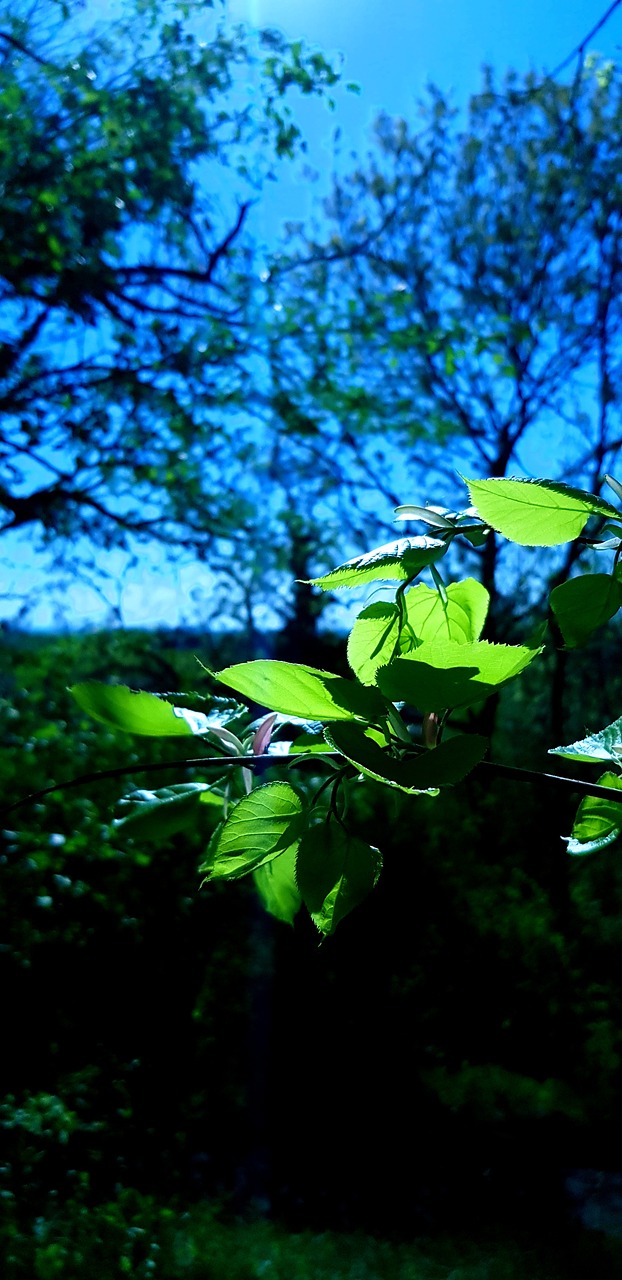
[400, 559]
[536, 513]
[138, 712]
[303, 691]
[277, 887]
[260, 826]
[598, 822]
[427, 771]
[605, 745]
[155, 815]
[335, 871]
[583, 604]
[432, 516]
[443, 674]
[372, 640]
[461, 619]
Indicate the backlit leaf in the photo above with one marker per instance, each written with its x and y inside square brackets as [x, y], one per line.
[304, 691]
[443, 674]
[401, 559]
[259, 827]
[372, 640]
[335, 871]
[138, 712]
[605, 745]
[536, 513]
[598, 822]
[276, 884]
[461, 619]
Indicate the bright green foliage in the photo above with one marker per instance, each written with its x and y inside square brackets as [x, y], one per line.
[459, 615]
[276, 885]
[536, 513]
[261, 826]
[137, 712]
[598, 822]
[335, 871]
[401, 559]
[583, 604]
[422, 649]
[302, 691]
[373, 639]
[381, 632]
[444, 673]
[606, 745]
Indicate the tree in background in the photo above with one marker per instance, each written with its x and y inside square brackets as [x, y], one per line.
[130, 161]
[458, 308]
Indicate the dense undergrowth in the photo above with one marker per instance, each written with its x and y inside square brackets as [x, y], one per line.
[437, 1069]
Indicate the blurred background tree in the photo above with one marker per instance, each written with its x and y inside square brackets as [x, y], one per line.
[131, 157]
[457, 308]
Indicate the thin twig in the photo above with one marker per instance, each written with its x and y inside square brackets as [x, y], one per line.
[488, 767]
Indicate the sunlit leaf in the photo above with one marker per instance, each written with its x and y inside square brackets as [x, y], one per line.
[598, 822]
[335, 872]
[138, 712]
[259, 827]
[442, 674]
[304, 691]
[461, 618]
[536, 513]
[372, 640]
[400, 559]
[277, 886]
[605, 745]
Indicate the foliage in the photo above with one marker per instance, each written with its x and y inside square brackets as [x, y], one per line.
[427, 656]
[456, 303]
[483, 966]
[134, 1235]
[131, 158]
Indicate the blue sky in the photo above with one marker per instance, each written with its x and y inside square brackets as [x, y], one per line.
[392, 49]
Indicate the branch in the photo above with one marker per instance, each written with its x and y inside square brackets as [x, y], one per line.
[487, 767]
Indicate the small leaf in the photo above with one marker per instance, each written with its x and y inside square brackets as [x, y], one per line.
[276, 884]
[598, 822]
[427, 515]
[156, 815]
[400, 559]
[536, 513]
[583, 604]
[443, 674]
[426, 771]
[605, 745]
[304, 691]
[335, 872]
[137, 712]
[461, 619]
[260, 826]
[615, 486]
[372, 640]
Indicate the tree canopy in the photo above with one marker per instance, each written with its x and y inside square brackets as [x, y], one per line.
[130, 158]
[457, 308]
